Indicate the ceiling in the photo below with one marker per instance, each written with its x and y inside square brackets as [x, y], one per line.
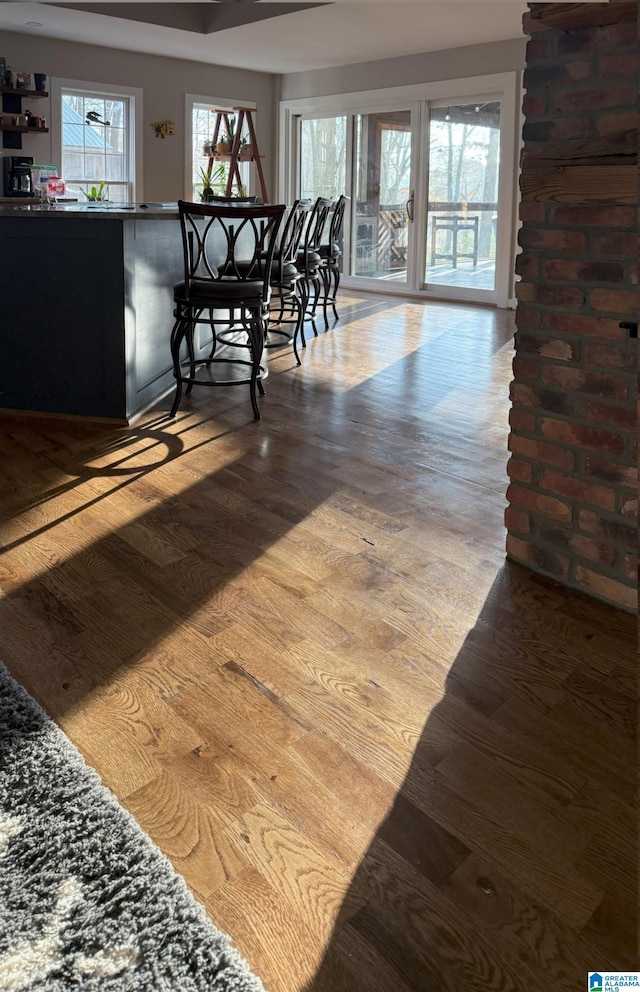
[287, 36]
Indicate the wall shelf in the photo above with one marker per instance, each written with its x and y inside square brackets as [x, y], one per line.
[24, 130]
[12, 104]
[215, 157]
[9, 91]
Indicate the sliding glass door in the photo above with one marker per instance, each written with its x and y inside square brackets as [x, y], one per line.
[370, 157]
[382, 194]
[431, 181]
[462, 216]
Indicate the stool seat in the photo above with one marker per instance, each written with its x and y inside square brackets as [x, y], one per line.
[226, 289]
[330, 251]
[308, 258]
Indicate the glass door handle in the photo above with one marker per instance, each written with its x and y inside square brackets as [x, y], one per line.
[409, 206]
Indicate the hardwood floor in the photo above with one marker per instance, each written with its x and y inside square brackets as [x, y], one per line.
[384, 759]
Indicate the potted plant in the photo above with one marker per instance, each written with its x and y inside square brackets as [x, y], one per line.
[245, 149]
[214, 181]
[225, 142]
[97, 193]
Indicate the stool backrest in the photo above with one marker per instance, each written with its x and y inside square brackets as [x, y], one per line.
[337, 220]
[316, 224]
[292, 233]
[224, 241]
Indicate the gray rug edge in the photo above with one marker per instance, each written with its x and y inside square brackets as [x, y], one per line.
[54, 736]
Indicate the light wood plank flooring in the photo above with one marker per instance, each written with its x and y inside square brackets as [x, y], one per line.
[384, 759]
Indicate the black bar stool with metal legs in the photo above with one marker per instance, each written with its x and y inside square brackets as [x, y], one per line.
[309, 259]
[287, 300]
[331, 253]
[228, 252]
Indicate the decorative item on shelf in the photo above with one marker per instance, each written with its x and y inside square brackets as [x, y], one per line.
[98, 193]
[40, 80]
[225, 144]
[23, 80]
[163, 128]
[245, 149]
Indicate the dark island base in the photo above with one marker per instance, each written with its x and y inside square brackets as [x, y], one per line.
[86, 310]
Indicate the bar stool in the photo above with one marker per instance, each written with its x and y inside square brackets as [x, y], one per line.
[228, 252]
[331, 253]
[454, 223]
[309, 259]
[287, 297]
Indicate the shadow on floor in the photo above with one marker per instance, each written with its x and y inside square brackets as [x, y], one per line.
[496, 867]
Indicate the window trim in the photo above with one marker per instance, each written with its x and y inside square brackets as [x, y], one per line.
[135, 95]
[218, 102]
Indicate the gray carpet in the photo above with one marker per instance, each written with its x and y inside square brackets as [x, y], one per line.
[86, 900]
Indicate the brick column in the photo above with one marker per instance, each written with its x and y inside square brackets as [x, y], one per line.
[572, 510]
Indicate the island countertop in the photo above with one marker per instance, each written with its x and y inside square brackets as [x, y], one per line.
[122, 211]
[86, 307]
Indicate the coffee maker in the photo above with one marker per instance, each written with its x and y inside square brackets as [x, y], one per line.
[17, 175]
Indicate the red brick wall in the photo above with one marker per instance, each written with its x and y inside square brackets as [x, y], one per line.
[573, 465]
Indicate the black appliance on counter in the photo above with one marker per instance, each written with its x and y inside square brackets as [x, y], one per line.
[17, 175]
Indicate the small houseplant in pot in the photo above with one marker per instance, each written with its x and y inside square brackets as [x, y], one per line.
[225, 142]
[245, 149]
[214, 181]
[97, 193]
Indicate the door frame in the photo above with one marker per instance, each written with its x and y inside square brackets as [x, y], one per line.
[503, 86]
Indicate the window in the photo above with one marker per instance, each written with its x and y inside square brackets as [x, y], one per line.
[323, 143]
[97, 143]
[203, 119]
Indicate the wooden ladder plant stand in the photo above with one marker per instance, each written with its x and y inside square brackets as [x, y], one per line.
[244, 117]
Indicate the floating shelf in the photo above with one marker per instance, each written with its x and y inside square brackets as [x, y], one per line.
[12, 104]
[24, 130]
[8, 91]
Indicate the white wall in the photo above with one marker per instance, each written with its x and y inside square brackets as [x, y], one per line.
[457, 63]
[164, 83]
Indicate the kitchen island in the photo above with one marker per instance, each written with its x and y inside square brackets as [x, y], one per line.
[86, 307]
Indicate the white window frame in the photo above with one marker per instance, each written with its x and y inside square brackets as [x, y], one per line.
[192, 100]
[504, 85]
[134, 94]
